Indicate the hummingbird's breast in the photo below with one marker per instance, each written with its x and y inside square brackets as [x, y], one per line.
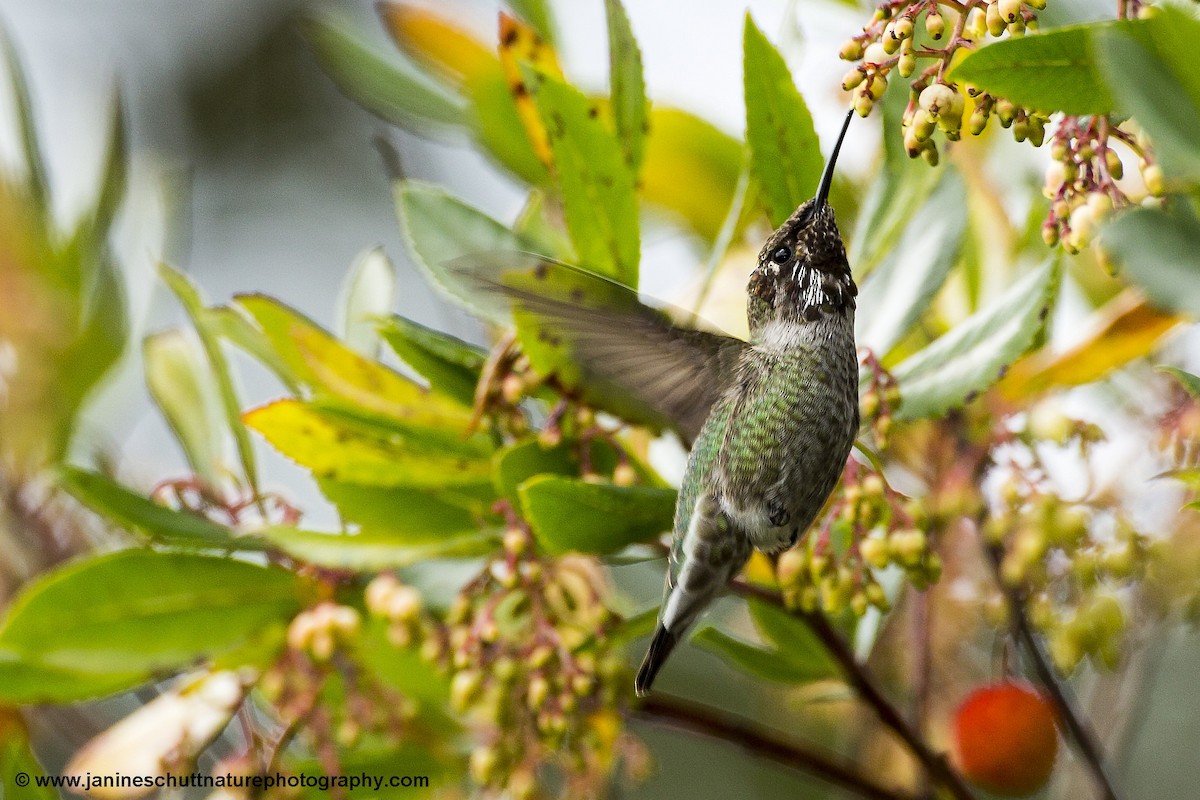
[792, 419]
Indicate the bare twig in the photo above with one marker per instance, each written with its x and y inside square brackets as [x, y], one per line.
[922, 671]
[1080, 733]
[860, 680]
[706, 721]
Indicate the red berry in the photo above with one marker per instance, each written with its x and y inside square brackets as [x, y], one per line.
[1005, 739]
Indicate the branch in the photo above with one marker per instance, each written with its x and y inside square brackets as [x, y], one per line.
[861, 681]
[667, 710]
[1081, 734]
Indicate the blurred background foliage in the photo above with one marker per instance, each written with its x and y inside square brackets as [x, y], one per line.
[448, 570]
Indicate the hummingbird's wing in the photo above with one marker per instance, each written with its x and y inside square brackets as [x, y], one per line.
[616, 339]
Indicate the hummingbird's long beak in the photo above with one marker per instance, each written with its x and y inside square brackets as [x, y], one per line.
[827, 175]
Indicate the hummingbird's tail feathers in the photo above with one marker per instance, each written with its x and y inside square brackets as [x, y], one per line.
[660, 647]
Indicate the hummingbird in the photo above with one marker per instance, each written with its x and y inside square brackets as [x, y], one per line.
[777, 436]
[771, 420]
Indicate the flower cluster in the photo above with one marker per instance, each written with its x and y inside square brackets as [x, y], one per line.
[1081, 181]
[527, 646]
[1070, 560]
[867, 527]
[888, 44]
[322, 651]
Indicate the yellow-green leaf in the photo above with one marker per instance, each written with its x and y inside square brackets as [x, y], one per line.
[182, 385]
[320, 366]
[680, 143]
[337, 446]
[597, 185]
[372, 551]
[627, 86]
[1127, 328]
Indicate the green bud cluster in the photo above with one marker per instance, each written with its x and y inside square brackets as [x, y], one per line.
[1025, 124]
[1056, 554]
[879, 400]
[888, 43]
[867, 527]
[526, 646]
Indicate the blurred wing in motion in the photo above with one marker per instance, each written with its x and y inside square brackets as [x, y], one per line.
[597, 336]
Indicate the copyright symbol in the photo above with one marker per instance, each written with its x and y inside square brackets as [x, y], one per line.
[22, 778]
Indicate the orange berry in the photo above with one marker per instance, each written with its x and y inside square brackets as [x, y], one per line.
[1005, 739]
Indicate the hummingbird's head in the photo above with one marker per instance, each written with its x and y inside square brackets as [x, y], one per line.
[802, 273]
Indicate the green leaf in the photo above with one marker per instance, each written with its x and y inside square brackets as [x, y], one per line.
[319, 365]
[524, 460]
[440, 228]
[1173, 34]
[497, 125]
[628, 87]
[758, 662]
[16, 758]
[114, 173]
[406, 670]
[383, 86]
[341, 447]
[136, 513]
[225, 322]
[428, 766]
[450, 365]
[99, 342]
[1147, 85]
[540, 224]
[794, 640]
[181, 383]
[38, 181]
[1157, 249]
[973, 354]
[636, 626]
[411, 516]
[118, 620]
[367, 295]
[599, 199]
[575, 515]
[1053, 71]
[537, 14]
[374, 551]
[785, 155]
[189, 297]
[899, 291]
[1190, 382]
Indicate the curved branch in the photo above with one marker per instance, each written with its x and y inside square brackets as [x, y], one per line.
[676, 713]
[864, 685]
[1081, 733]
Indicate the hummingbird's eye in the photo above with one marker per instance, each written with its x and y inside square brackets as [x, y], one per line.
[782, 254]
